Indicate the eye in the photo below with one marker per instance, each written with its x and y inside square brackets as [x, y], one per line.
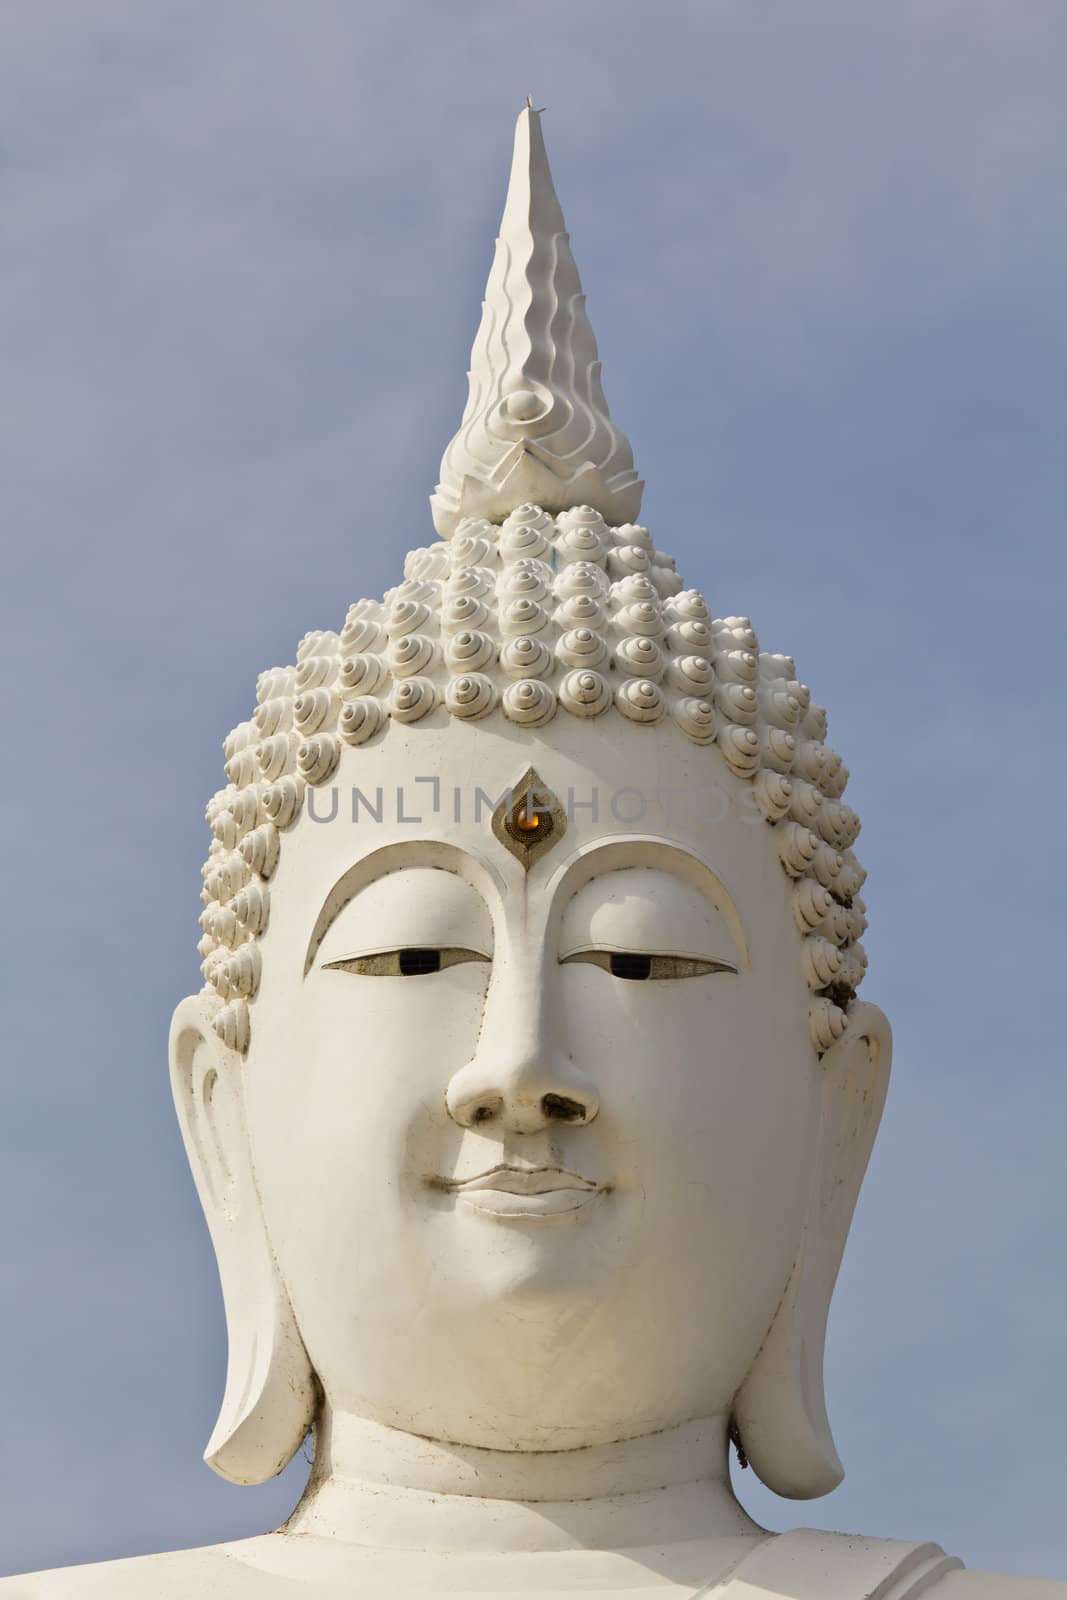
[409, 962]
[636, 965]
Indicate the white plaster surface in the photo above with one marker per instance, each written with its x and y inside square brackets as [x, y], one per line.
[536, 426]
[580, 1364]
[786, 1567]
[519, 1234]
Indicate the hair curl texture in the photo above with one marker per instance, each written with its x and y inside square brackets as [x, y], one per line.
[521, 620]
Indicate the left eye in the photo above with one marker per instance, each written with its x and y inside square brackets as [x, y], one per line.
[634, 965]
[410, 962]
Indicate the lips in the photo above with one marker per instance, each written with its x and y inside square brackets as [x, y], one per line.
[529, 1193]
[523, 1180]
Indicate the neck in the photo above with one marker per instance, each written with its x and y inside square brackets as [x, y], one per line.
[373, 1485]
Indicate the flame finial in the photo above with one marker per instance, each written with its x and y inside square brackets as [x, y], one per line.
[536, 427]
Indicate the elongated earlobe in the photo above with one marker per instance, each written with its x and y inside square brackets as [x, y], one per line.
[780, 1410]
[269, 1402]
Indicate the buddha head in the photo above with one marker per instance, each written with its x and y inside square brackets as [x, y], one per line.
[528, 1096]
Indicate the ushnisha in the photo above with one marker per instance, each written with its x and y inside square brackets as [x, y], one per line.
[529, 1134]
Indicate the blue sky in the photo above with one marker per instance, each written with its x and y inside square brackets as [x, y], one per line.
[824, 252]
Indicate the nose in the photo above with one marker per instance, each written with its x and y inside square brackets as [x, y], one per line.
[519, 1096]
[518, 1081]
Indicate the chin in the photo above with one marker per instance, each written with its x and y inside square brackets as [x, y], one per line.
[536, 1275]
[564, 1259]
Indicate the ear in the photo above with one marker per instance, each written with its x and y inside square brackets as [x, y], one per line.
[780, 1410]
[270, 1398]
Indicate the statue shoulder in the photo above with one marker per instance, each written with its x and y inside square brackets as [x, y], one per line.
[838, 1566]
[802, 1565]
[218, 1570]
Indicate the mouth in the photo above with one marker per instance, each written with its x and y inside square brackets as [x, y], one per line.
[525, 1193]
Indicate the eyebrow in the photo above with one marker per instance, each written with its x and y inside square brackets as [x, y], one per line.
[660, 855]
[396, 857]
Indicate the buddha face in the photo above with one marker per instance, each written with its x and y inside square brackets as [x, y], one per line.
[532, 1141]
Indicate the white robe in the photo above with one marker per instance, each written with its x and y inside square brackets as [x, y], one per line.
[802, 1565]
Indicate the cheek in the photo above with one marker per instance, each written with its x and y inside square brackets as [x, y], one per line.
[709, 1097]
[348, 1103]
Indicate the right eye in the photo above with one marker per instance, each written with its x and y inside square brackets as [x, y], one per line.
[635, 965]
[410, 962]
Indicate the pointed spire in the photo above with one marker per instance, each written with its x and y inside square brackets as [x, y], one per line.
[536, 427]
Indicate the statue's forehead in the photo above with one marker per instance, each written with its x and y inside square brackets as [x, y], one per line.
[429, 795]
[446, 775]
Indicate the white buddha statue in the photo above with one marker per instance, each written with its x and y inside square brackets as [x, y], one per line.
[528, 1097]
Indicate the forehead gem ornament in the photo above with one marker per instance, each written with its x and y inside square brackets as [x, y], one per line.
[529, 820]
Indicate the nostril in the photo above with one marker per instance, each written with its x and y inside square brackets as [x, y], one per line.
[558, 1108]
[517, 1112]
